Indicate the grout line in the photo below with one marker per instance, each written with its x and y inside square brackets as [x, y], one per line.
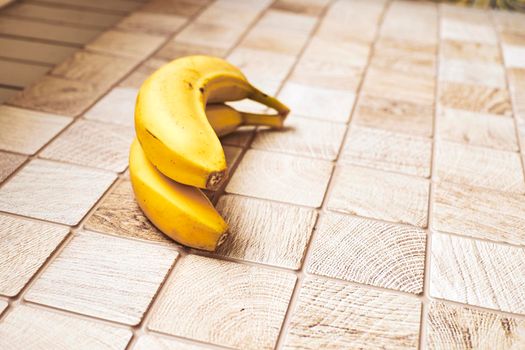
[26, 61]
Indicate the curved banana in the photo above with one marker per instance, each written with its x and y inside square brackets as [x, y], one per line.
[171, 122]
[182, 212]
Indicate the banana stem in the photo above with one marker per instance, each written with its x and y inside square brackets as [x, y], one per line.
[272, 102]
[271, 120]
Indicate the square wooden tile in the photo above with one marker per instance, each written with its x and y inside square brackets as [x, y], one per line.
[395, 115]
[514, 56]
[26, 131]
[150, 341]
[457, 327]
[304, 137]
[411, 22]
[380, 195]
[386, 150]
[477, 273]
[282, 178]
[481, 167]
[477, 129]
[175, 48]
[216, 35]
[332, 51]
[248, 303]
[468, 51]
[133, 45]
[369, 252]
[93, 144]
[67, 191]
[475, 98]
[26, 245]
[478, 212]
[336, 315]
[9, 162]
[58, 96]
[151, 23]
[184, 8]
[104, 276]
[238, 14]
[475, 73]
[459, 30]
[404, 59]
[139, 75]
[321, 103]
[265, 232]
[117, 107]
[31, 327]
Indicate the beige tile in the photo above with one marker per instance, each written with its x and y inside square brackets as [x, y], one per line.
[411, 22]
[467, 51]
[30, 327]
[475, 98]
[117, 107]
[133, 45]
[9, 163]
[395, 115]
[325, 74]
[305, 7]
[247, 303]
[459, 30]
[104, 276]
[139, 75]
[477, 129]
[302, 136]
[465, 13]
[281, 177]
[235, 14]
[335, 315]
[26, 246]
[26, 131]
[184, 8]
[477, 273]
[265, 232]
[408, 61]
[369, 252]
[422, 51]
[68, 191]
[156, 342]
[240, 138]
[175, 48]
[386, 150]
[151, 23]
[481, 167]
[380, 195]
[457, 327]
[516, 77]
[93, 144]
[215, 35]
[480, 213]
[514, 56]
[475, 73]
[509, 37]
[326, 104]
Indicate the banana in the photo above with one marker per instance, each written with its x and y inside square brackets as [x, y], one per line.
[182, 212]
[171, 122]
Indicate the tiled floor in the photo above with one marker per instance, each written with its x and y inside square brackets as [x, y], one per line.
[390, 213]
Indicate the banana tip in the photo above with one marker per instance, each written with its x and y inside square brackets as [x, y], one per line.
[215, 179]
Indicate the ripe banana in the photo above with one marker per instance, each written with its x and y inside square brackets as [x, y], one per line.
[171, 122]
[182, 212]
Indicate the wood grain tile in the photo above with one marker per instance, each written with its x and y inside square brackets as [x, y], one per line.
[395, 115]
[459, 30]
[335, 315]
[467, 51]
[475, 73]
[477, 273]
[184, 8]
[93, 144]
[9, 162]
[175, 48]
[248, 303]
[133, 45]
[481, 167]
[475, 98]
[516, 77]
[20, 74]
[477, 129]
[326, 104]
[113, 6]
[512, 38]
[117, 107]
[19, 49]
[7, 93]
[238, 14]
[150, 342]
[104, 276]
[302, 136]
[68, 191]
[281, 177]
[308, 7]
[393, 55]
[142, 72]
[369, 252]
[31, 327]
[386, 150]
[514, 56]
[380, 195]
[457, 327]
[58, 96]
[26, 246]
[26, 131]
[151, 23]
[216, 35]
[480, 213]
[265, 232]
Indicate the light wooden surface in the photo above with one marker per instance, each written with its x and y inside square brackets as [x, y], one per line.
[470, 51]
[104, 276]
[334, 315]
[117, 107]
[3, 305]
[369, 252]
[152, 23]
[475, 98]
[9, 162]
[114, 5]
[224, 303]
[30, 243]
[477, 273]
[45, 53]
[461, 71]
[132, 45]
[151, 342]
[458, 327]
[19, 74]
[30, 327]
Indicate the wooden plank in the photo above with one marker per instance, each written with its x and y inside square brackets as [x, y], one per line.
[121, 6]
[150, 341]
[26, 246]
[152, 23]
[117, 107]
[134, 45]
[9, 162]
[20, 74]
[461, 50]
[475, 98]
[248, 303]
[475, 73]
[7, 92]
[25, 50]
[184, 8]
[454, 29]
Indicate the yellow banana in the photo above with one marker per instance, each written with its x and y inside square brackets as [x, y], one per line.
[171, 122]
[182, 212]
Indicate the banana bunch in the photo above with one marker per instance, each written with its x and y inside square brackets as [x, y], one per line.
[179, 116]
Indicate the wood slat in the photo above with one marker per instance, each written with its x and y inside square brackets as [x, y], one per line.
[7, 92]
[20, 74]
[9, 162]
[122, 6]
[25, 50]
